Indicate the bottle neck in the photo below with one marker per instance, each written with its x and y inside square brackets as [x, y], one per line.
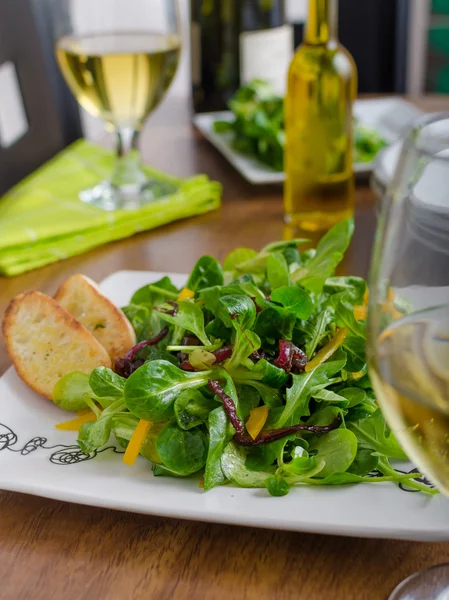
[322, 22]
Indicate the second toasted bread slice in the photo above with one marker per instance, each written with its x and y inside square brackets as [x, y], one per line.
[83, 299]
[45, 342]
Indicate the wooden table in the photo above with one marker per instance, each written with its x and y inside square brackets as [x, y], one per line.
[57, 551]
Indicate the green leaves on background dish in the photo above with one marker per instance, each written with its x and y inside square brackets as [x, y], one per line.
[224, 388]
[258, 125]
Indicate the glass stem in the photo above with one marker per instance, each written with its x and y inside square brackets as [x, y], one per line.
[128, 169]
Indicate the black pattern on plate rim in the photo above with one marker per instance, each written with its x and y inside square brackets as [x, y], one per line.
[63, 454]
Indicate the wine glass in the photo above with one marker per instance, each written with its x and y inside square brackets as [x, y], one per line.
[409, 316]
[119, 57]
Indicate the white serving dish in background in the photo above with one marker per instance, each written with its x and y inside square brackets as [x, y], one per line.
[388, 116]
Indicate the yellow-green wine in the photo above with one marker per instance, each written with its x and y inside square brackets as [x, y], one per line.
[410, 374]
[120, 77]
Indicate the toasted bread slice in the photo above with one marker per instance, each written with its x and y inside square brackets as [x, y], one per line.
[45, 342]
[83, 299]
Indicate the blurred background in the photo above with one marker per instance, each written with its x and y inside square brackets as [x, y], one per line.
[400, 46]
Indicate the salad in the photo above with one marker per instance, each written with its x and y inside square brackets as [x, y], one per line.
[258, 127]
[254, 374]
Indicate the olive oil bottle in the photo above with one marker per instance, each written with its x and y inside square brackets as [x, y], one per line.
[322, 86]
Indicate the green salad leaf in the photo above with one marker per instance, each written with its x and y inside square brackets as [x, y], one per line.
[151, 391]
[184, 452]
[206, 273]
[189, 317]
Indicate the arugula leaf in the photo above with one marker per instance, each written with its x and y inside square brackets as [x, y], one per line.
[189, 317]
[150, 392]
[372, 432]
[184, 452]
[319, 331]
[277, 271]
[70, 390]
[304, 385]
[294, 299]
[329, 253]
[206, 273]
[106, 384]
[192, 409]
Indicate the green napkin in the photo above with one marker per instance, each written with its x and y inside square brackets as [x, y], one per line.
[43, 221]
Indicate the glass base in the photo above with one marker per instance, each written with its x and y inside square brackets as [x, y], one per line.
[127, 197]
[429, 584]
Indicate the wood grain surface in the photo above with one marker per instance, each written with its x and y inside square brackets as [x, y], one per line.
[58, 551]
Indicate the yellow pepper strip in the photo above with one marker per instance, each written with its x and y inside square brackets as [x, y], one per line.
[257, 419]
[366, 297]
[135, 443]
[75, 424]
[360, 313]
[328, 350]
[186, 294]
[201, 483]
[358, 375]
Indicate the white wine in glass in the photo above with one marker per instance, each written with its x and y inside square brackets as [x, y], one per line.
[409, 317]
[119, 68]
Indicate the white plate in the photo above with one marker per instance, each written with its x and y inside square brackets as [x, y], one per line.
[35, 458]
[389, 116]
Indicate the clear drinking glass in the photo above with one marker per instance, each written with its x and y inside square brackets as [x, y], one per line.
[409, 316]
[119, 57]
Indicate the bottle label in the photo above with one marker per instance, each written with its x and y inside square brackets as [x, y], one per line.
[196, 53]
[267, 55]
